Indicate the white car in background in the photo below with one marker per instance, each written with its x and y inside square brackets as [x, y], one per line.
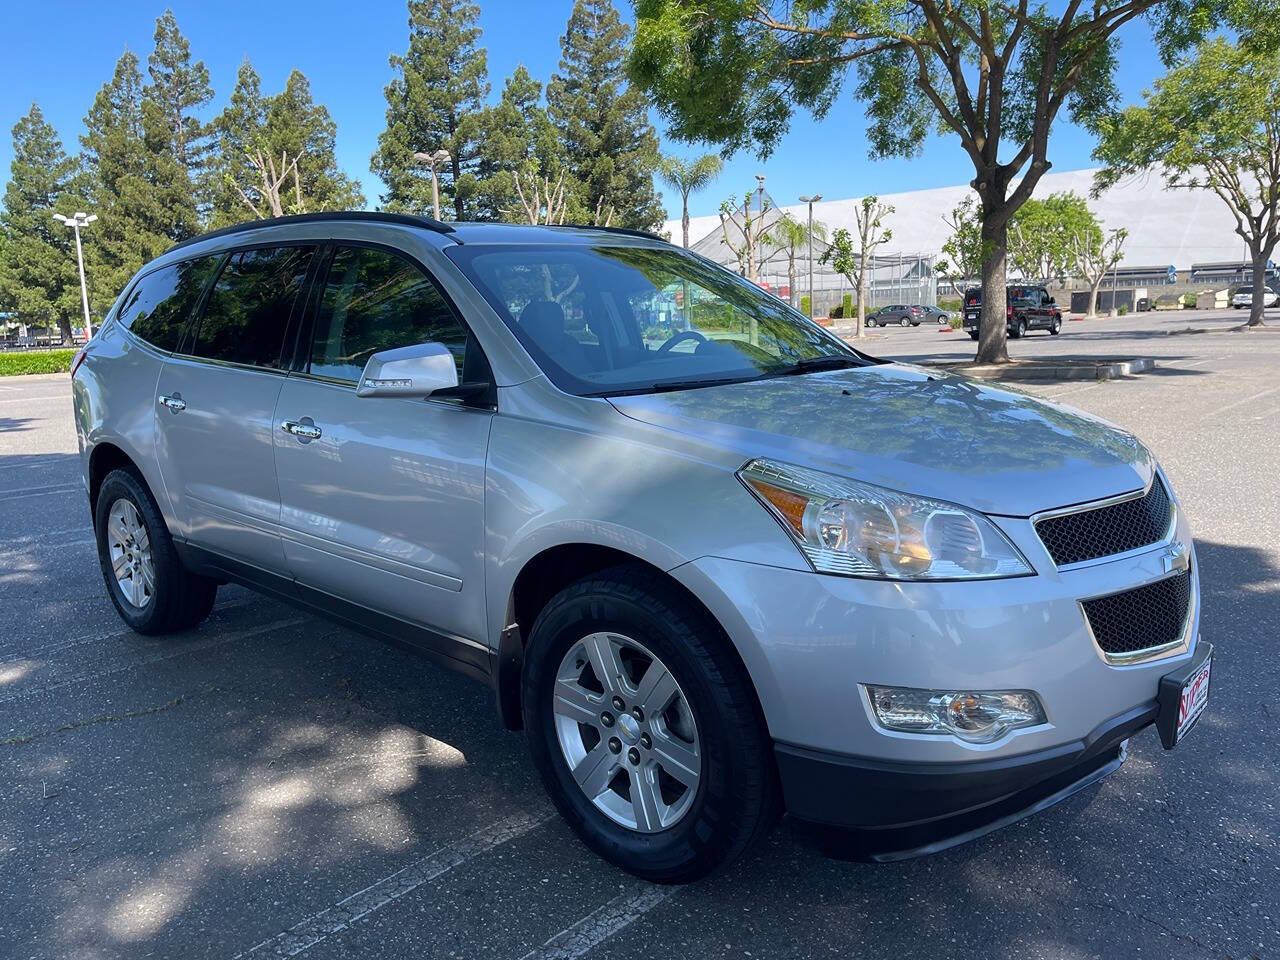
[1243, 297]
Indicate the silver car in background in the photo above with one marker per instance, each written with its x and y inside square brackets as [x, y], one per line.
[715, 562]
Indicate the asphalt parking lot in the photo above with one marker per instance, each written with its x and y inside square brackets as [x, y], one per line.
[273, 785]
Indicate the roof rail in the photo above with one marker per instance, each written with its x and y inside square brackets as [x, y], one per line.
[627, 231]
[339, 216]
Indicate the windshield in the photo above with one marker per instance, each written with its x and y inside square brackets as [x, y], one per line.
[607, 320]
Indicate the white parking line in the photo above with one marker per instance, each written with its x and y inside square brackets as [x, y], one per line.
[58, 396]
[601, 924]
[320, 926]
[42, 488]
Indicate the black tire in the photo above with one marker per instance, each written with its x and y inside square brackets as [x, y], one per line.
[973, 335]
[871, 321]
[737, 797]
[180, 599]
[903, 321]
[1020, 330]
[1055, 328]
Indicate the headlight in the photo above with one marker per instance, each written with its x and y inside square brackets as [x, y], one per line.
[860, 530]
[976, 716]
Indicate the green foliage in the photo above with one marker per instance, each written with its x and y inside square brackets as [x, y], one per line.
[1122, 309]
[962, 252]
[35, 361]
[435, 101]
[136, 188]
[1041, 234]
[518, 137]
[610, 147]
[688, 176]
[804, 305]
[1213, 122]
[846, 304]
[38, 277]
[178, 142]
[289, 124]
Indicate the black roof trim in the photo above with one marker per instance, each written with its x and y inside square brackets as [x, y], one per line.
[626, 231]
[337, 216]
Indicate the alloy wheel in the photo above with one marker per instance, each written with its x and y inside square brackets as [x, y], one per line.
[129, 547]
[626, 732]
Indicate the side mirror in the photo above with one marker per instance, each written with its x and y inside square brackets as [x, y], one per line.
[414, 371]
[1052, 301]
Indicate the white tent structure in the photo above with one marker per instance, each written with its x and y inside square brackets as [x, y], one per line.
[1166, 227]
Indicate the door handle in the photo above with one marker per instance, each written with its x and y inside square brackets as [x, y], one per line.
[304, 429]
[175, 403]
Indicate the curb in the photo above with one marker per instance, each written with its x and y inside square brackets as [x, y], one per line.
[1064, 371]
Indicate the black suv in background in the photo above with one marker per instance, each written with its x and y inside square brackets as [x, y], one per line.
[1027, 308]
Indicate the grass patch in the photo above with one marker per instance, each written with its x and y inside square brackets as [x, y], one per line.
[35, 361]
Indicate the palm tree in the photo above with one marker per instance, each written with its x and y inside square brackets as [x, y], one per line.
[688, 176]
[789, 235]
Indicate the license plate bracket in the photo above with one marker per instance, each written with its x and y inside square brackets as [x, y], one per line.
[1183, 697]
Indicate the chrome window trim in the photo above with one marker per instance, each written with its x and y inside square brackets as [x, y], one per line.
[1165, 539]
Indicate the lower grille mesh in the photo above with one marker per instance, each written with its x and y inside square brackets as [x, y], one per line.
[1136, 620]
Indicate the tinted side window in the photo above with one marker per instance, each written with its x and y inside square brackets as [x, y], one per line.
[374, 300]
[163, 301]
[248, 309]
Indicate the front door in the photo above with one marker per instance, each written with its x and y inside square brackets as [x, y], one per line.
[215, 408]
[383, 498]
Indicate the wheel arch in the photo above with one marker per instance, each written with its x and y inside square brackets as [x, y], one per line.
[547, 573]
[103, 458]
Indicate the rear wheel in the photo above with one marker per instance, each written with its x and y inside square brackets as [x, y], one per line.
[644, 728]
[973, 334]
[1056, 327]
[151, 590]
[1020, 330]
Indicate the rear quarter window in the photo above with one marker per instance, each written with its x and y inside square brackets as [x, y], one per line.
[161, 303]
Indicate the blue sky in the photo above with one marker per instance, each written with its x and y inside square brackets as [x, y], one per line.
[343, 48]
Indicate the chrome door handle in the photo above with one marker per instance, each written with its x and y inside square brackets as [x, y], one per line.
[175, 403]
[303, 431]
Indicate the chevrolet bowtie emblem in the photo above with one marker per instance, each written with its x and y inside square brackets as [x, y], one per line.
[1177, 557]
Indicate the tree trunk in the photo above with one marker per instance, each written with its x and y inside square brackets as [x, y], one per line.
[64, 329]
[791, 278]
[457, 172]
[1093, 297]
[992, 328]
[684, 219]
[862, 295]
[1256, 308]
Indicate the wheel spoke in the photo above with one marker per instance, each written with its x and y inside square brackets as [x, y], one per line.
[657, 689]
[120, 564]
[575, 702]
[135, 589]
[678, 759]
[116, 531]
[646, 801]
[148, 576]
[604, 661]
[595, 770]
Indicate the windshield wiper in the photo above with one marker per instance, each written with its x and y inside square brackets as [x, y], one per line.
[828, 361]
[669, 386]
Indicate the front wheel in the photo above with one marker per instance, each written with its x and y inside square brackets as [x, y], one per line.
[903, 321]
[151, 590]
[645, 729]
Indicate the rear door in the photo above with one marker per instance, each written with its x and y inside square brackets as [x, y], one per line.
[383, 498]
[215, 407]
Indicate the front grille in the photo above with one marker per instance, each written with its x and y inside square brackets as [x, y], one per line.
[1141, 619]
[1088, 534]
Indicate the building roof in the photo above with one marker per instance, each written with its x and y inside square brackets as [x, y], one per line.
[1178, 227]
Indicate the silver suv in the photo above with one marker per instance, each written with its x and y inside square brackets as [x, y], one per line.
[714, 561]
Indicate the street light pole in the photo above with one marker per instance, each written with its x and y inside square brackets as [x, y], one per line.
[75, 222]
[811, 201]
[429, 160]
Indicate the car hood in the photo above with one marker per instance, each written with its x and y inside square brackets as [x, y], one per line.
[921, 431]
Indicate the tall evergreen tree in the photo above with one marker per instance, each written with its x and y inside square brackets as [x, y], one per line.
[435, 101]
[286, 129]
[132, 191]
[38, 276]
[518, 139]
[178, 88]
[611, 148]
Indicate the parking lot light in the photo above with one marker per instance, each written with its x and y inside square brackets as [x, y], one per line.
[75, 222]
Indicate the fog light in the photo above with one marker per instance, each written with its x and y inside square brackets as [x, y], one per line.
[978, 716]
